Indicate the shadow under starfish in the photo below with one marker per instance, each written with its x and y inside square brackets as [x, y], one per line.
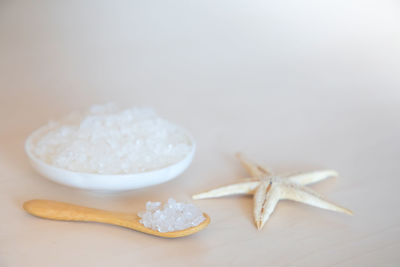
[268, 189]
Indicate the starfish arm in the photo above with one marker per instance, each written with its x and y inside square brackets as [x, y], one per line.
[310, 197]
[252, 168]
[312, 177]
[265, 199]
[234, 189]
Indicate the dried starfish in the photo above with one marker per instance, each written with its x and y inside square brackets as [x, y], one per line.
[269, 189]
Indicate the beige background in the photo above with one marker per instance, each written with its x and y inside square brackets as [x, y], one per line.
[297, 85]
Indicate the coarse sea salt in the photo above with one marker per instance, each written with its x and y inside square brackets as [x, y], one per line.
[106, 139]
[173, 216]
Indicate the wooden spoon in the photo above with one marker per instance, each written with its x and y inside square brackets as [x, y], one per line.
[61, 211]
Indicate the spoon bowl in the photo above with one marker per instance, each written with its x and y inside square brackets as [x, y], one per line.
[61, 211]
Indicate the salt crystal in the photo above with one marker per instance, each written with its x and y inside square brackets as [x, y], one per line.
[173, 216]
[110, 140]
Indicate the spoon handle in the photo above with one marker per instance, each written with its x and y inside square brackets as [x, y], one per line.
[55, 210]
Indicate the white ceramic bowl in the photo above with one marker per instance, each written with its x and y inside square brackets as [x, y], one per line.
[106, 182]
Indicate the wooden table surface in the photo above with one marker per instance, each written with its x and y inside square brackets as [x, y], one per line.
[295, 85]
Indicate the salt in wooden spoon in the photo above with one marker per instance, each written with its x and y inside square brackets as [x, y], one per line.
[61, 211]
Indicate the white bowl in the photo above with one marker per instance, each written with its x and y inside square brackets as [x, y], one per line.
[106, 182]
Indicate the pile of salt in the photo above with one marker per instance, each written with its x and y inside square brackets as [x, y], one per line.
[173, 216]
[108, 140]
